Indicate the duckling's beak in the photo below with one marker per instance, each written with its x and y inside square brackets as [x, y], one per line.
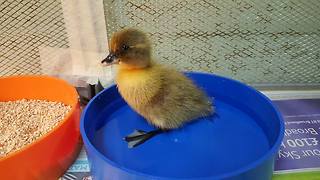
[110, 59]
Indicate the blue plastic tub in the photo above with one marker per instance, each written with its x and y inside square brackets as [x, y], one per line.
[239, 144]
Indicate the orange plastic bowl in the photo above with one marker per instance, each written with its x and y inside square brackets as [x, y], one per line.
[49, 156]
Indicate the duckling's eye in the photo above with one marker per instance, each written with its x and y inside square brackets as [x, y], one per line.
[125, 47]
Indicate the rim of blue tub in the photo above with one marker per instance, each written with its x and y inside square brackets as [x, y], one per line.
[273, 150]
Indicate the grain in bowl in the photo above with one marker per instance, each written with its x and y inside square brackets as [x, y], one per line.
[24, 121]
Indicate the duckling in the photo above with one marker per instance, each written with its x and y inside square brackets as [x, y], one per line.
[165, 97]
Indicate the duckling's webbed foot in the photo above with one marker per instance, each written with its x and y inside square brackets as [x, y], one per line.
[139, 137]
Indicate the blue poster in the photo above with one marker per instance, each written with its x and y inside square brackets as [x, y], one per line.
[300, 149]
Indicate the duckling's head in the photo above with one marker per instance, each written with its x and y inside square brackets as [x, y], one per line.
[130, 48]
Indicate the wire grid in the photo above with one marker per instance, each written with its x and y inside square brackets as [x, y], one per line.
[26, 26]
[259, 42]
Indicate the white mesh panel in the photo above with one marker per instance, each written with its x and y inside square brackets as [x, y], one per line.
[25, 26]
[259, 42]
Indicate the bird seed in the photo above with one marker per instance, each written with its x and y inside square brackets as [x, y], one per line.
[24, 121]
